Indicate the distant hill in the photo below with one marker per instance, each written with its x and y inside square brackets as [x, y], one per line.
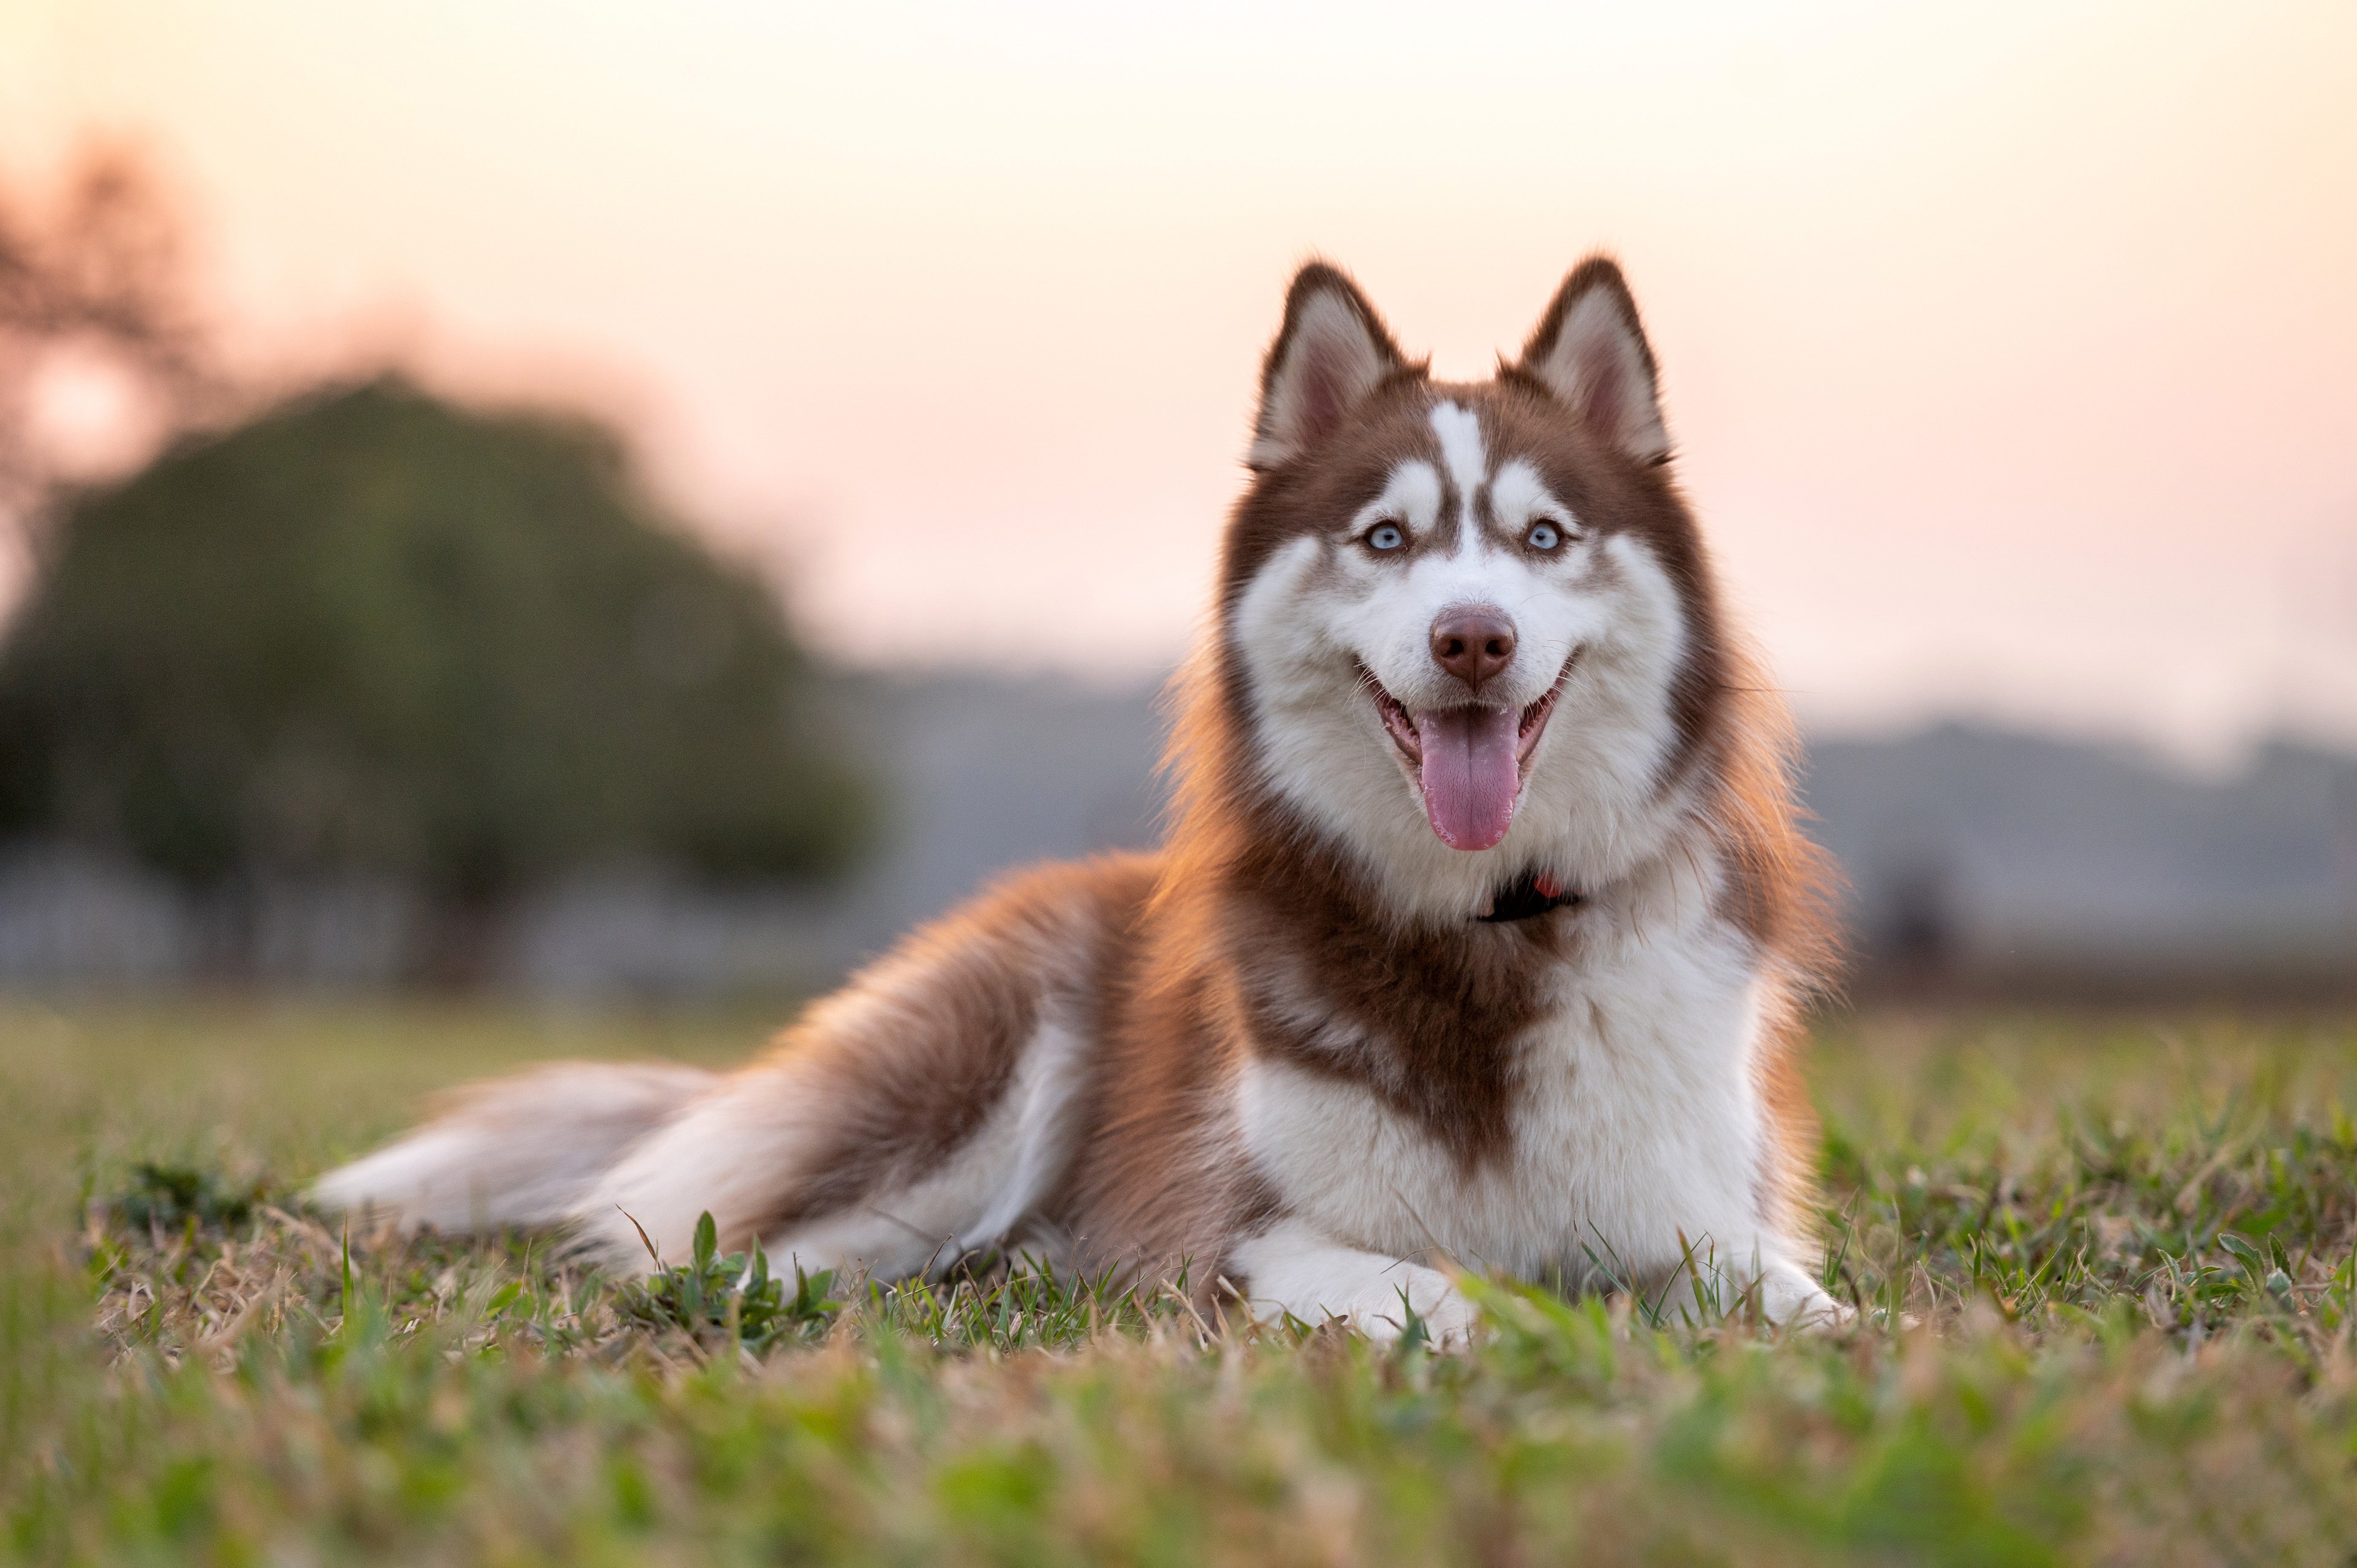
[987, 773]
[1973, 855]
[1978, 859]
[1974, 850]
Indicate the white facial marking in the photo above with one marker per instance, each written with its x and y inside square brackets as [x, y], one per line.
[1597, 612]
[1519, 498]
[1467, 459]
[1411, 498]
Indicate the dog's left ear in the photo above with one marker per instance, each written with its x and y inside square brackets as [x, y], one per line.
[1590, 351]
[1330, 353]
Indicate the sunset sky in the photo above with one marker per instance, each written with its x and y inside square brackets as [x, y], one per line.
[2012, 349]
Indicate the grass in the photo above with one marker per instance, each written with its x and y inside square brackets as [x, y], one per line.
[2103, 1268]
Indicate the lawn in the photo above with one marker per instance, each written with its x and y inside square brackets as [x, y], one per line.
[2103, 1265]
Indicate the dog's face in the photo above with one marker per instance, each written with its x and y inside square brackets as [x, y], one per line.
[1469, 624]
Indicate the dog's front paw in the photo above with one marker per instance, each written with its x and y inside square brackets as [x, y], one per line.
[1790, 1299]
[1445, 1314]
[1292, 1271]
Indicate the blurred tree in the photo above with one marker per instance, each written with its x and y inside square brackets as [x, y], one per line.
[95, 280]
[371, 631]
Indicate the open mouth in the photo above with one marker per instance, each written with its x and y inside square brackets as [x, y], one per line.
[1470, 762]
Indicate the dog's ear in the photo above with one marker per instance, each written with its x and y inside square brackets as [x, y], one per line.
[1589, 352]
[1331, 351]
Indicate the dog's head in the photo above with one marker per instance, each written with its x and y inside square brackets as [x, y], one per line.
[1468, 628]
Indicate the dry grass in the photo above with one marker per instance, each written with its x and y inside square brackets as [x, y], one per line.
[2124, 1247]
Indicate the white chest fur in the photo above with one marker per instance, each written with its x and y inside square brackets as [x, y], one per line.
[1636, 1129]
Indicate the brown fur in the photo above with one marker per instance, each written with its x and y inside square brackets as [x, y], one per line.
[916, 1050]
[1429, 1017]
[1245, 896]
[1251, 934]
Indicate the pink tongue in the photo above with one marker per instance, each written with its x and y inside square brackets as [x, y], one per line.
[1470, 774]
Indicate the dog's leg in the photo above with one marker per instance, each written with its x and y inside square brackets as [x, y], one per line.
[922, 1112]
[1291, 1268]
[1791, 1299]
[520, 1150]
[1714, 1281]
[830, 1169]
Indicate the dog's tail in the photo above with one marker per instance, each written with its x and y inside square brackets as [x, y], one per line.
[522, 1151]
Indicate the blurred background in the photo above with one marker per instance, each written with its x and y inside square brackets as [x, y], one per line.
[610, 504]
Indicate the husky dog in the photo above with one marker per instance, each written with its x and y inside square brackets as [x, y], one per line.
[1479, 940]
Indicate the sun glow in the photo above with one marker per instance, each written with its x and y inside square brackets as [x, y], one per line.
[2012, 354]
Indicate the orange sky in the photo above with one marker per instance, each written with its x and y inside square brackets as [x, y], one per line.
[2013, 348]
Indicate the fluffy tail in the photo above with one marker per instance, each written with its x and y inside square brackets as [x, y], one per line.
[522, 1150]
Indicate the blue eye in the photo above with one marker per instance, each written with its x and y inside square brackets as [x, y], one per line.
[1385, 536]
[1543, 536]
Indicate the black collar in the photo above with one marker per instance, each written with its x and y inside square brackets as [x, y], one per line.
[1527, 895]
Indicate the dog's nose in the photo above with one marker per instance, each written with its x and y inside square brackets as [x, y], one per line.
[1473, 643]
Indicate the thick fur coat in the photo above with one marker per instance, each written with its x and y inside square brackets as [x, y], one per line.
[1478, 942]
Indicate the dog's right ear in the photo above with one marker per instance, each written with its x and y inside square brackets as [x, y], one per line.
[1331, 351]
[1589, 352]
